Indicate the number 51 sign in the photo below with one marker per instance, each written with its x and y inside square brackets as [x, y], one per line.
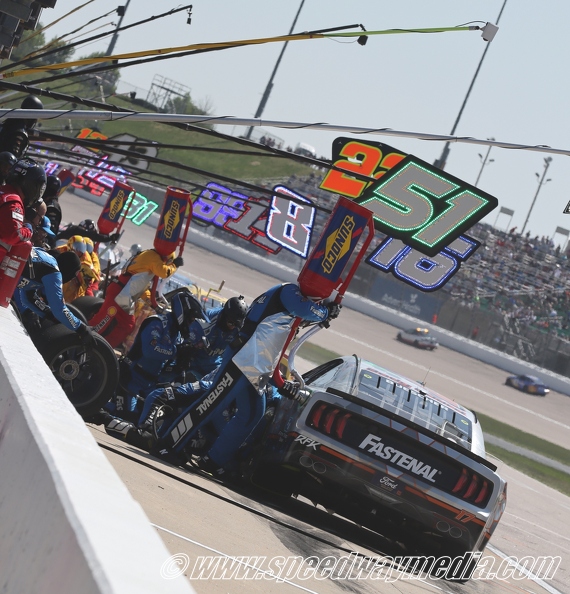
[424, 207]
[415, 204]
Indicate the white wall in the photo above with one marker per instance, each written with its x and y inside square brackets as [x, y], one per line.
[67, 522]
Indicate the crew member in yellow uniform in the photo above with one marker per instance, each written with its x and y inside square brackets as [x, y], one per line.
[95, 266]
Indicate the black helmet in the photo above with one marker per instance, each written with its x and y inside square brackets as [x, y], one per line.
[30, 178]
[53, 186]
[234, 312]
[186, 308]
[69, 265]
[88, 225]
[31, 102]
[7, 159]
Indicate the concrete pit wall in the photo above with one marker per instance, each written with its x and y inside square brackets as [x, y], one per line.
[67, 522]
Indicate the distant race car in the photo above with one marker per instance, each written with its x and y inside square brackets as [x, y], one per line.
[388, 453]
[419, 337]
[528, 383]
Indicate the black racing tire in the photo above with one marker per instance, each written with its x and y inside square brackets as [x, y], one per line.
[463, 564]
[89, 378]
[76, 312]
[277, 481]
[87, 305]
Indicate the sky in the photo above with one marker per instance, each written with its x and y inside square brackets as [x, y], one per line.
[406, 82]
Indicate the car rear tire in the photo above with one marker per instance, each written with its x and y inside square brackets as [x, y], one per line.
[89, 378]
[273, 479]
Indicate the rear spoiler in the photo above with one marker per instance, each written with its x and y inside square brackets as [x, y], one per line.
[415, 426]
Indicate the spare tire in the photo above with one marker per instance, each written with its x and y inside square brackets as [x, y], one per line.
[87, 305]
[76, 312]
[88, 377]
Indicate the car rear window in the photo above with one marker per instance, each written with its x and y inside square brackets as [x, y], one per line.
[335, 374]
[415, 406]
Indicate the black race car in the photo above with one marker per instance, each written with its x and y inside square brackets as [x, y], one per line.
[387, 453]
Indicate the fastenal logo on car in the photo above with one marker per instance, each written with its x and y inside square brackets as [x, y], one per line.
[373, 445]
[338, 243]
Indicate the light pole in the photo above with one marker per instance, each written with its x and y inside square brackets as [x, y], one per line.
[121, 10]
[445, 153]
[485, 161]
[541, 182]
[269, 86]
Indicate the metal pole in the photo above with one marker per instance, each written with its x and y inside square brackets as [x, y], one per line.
[445, 153]
[111, 47]
[484, 163]
[269, 86]
[547, 161]
[123, 114]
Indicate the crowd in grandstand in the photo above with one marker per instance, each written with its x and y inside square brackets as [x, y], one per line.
[521, 276]
[525, 277]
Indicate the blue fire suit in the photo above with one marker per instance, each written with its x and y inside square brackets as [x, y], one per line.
[243, 374]
[40, 290]
[155, 345]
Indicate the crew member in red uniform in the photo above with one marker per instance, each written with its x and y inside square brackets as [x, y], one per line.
[23, 190]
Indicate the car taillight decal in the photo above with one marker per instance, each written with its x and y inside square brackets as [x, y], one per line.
[482, 493]
[329, 419]
[472, 487]
[316, 414]
[461, 482]
[341, 425]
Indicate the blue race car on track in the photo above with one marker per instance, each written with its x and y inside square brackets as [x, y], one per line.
[528, 383]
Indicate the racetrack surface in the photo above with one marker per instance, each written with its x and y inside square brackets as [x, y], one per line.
[197, 522]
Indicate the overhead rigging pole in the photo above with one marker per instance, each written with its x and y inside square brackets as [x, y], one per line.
[74, 114]
[269, 86]
[445, 153]
[116, 34]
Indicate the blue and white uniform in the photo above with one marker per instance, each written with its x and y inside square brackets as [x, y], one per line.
[40, 290]
[209, 340]
[245, 370]
[155, 345]
[206, 358]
